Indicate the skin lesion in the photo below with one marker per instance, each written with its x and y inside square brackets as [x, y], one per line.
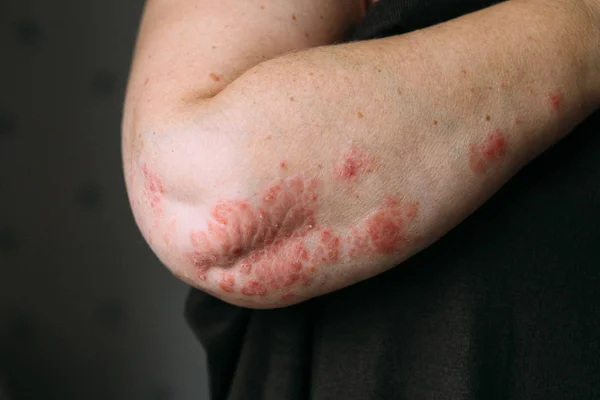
[275, 249]
[489, 153]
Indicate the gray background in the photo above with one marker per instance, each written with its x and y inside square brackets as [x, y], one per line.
[86, 310]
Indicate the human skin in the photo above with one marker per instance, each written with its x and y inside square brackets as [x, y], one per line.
[266, 183]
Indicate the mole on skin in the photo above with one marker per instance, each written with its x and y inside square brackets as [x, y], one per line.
[275, 245]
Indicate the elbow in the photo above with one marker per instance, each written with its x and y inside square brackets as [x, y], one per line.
[199, 209]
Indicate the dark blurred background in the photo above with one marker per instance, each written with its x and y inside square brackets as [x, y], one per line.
[86, 310]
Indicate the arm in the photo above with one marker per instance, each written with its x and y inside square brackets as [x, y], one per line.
[189, 50]
[318, 169]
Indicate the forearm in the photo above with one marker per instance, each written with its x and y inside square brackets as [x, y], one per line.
[485, 99]
[513, 60]
[380, 148]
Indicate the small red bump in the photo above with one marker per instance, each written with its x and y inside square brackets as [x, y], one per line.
[484, 155]
[555, 100]
[227, 283]
[214, 77]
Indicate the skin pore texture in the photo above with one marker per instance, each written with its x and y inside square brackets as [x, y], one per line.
[268, 182]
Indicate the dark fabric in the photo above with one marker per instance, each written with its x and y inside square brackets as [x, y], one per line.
[506, 306]
[394, 17]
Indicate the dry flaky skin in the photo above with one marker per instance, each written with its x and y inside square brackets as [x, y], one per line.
[321, 168]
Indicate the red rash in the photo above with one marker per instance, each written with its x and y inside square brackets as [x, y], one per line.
[354, 163]
[384, 232]
[484, 155]
[555, 100]
[153, 189]
[266, 241]
[275, 244]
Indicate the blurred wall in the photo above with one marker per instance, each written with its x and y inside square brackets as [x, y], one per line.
[86, 310]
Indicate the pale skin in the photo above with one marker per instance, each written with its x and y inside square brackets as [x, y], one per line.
[267, 165]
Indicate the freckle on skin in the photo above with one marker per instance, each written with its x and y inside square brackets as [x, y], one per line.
[487, 117]
[291, 99]
[399, 92]
[435, 122]
[269, 137]
[306, 35]
[360, 115]
[214, 47]
[146, 81]
[294, 17]
[214, 77]
[262, 7]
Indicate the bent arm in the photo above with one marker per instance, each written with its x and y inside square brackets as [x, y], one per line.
[321, 168]
[189, 50]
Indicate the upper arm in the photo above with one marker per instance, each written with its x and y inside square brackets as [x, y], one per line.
[190, 49]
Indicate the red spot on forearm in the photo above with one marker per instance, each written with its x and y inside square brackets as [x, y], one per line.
[214, 77]
[354, 163]
[483, 156]
[385, 232]
[555, 101]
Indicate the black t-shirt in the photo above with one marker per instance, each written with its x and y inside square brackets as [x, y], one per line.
[506, 306]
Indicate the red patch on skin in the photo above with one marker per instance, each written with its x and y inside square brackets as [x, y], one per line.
[384, 232]
[227, 283]
[354, 163]
[154, 189]
[266, 241]
[484, 155]
[274, 245]
[555, 101]
[283, 165]
[214, 77]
